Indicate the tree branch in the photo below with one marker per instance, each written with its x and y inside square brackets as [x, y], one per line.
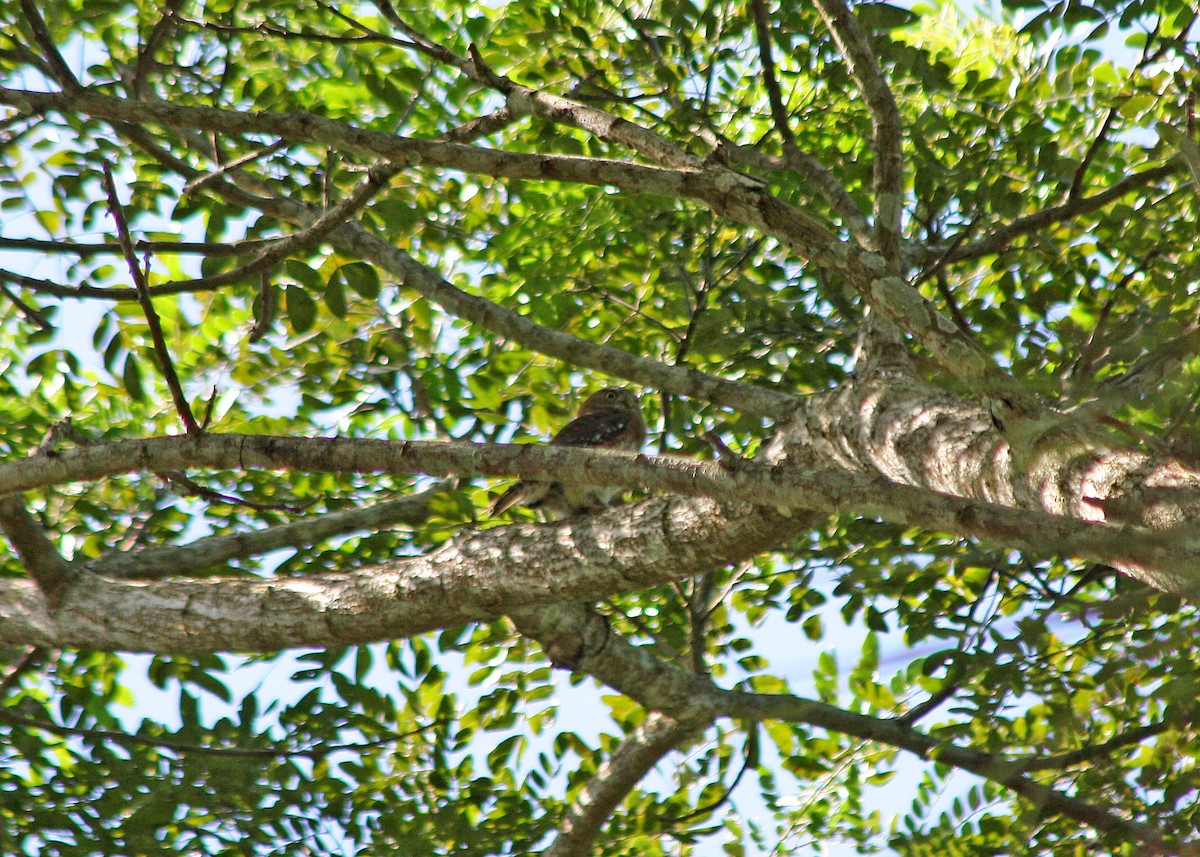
[523, 100]
[727, 192]
[887, 132]
[83, 250]
[1083, 754]
[793, 158]
[999, 240]
[680, 380]
[236, 163]
[214, 550]
[377, 178]
[479, 127]
[779, 114]
[814, 172]
[985, 765]
[165, 363]
[121, 295]
[53, 574]
[476, 576]
[637, 755]
[1170, 561]
[1146, 375]
[681, 694]
[145, 58]
[29, 312]
[59, 69]
[32, 658]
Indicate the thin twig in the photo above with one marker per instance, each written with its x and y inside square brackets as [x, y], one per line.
[377, 178]
[1095, 347]
[32, 657]
[194, 185]
[779, 112]
[268, 303]
[145, 59]
[1081, 171]
[940, 264]
[1003, 236]
[273, 752]
[139, 280]
[195, 489]
[41, 35]
[154, 563]
[951, 304]
[481, 126]
[749, 752]
[1143, 377]
[1083, 754]
[31, 313]
[117, 295]
[84, 250]
[62, 430]
[724, 454]
[264, 28]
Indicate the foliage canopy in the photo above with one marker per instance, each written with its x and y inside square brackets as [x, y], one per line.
[930, 278]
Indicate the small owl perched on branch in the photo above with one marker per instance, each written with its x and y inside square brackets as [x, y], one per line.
[609, 419]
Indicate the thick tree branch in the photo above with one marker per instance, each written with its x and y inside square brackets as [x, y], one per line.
[1169, 561]
[477, 576]
[681, 380]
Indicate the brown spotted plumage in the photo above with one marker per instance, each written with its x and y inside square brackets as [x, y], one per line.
[609, 419]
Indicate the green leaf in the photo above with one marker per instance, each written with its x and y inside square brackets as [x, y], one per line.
[301, 308]
[131, 377]
[362, 278]
[883, 16]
